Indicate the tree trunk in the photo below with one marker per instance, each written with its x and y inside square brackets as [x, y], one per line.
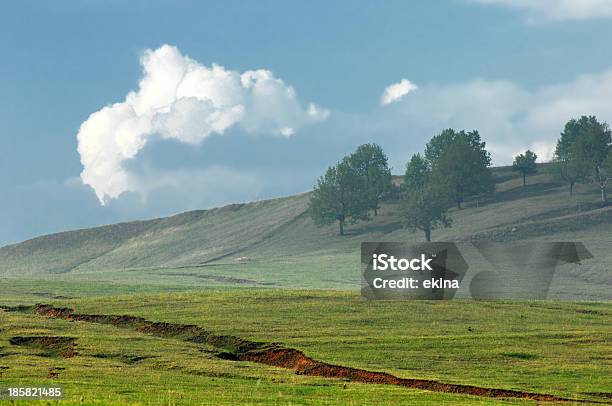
[571, 190]
[427, 235]
[459, 204]
[376, 210]
[341, 227]
[603, 180]
[524, 180]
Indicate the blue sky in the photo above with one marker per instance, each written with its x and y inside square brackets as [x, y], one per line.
[515, 70]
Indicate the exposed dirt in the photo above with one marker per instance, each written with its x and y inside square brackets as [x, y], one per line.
[236, 348]
[55, 372]
[53, 346]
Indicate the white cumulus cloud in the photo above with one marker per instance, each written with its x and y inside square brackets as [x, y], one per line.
[179, 98]
[395, 92]
[557, 10]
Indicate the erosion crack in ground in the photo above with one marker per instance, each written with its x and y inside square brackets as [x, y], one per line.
[277, 355]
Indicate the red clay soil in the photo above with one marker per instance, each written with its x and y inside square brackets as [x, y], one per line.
[283, 357]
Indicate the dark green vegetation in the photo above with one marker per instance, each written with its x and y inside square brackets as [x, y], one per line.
[584, 153]
[350, 189]
[425, 204]
[525, 164]
[455, 166]
[460, 164]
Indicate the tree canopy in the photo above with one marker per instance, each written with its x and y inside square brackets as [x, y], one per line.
[371, 163]
[441, 142]
[525, 164]
[583, 151]
[425, 202]
[455, 166]
[340, 195]
[417, 173]
[461, 158]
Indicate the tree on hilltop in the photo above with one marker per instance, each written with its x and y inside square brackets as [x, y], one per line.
[585, 146]
[464, 172]
[340, 195]
[461, 158]
[370, 162]
[568, 169]
[525, 164]
[425, 203]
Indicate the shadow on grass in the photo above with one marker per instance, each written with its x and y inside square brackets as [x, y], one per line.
[527, 191]
[365, 228]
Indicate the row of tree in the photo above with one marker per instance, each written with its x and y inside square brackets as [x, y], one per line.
[454, 166]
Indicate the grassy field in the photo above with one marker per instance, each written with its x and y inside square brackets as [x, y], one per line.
[554, 348]
[262, 271]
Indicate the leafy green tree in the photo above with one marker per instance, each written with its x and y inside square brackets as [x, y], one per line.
[566, 167]
[370, 162]
[589, 142]
[340, 195]
[525, 164]
[571, 131]
[417, 173]
[425, 202]
[567, 164]
[462, 160]
[441, 142]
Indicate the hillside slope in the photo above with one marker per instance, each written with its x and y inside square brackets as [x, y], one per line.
[281, 228]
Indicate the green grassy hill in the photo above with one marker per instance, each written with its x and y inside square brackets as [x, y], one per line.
[253, 244]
